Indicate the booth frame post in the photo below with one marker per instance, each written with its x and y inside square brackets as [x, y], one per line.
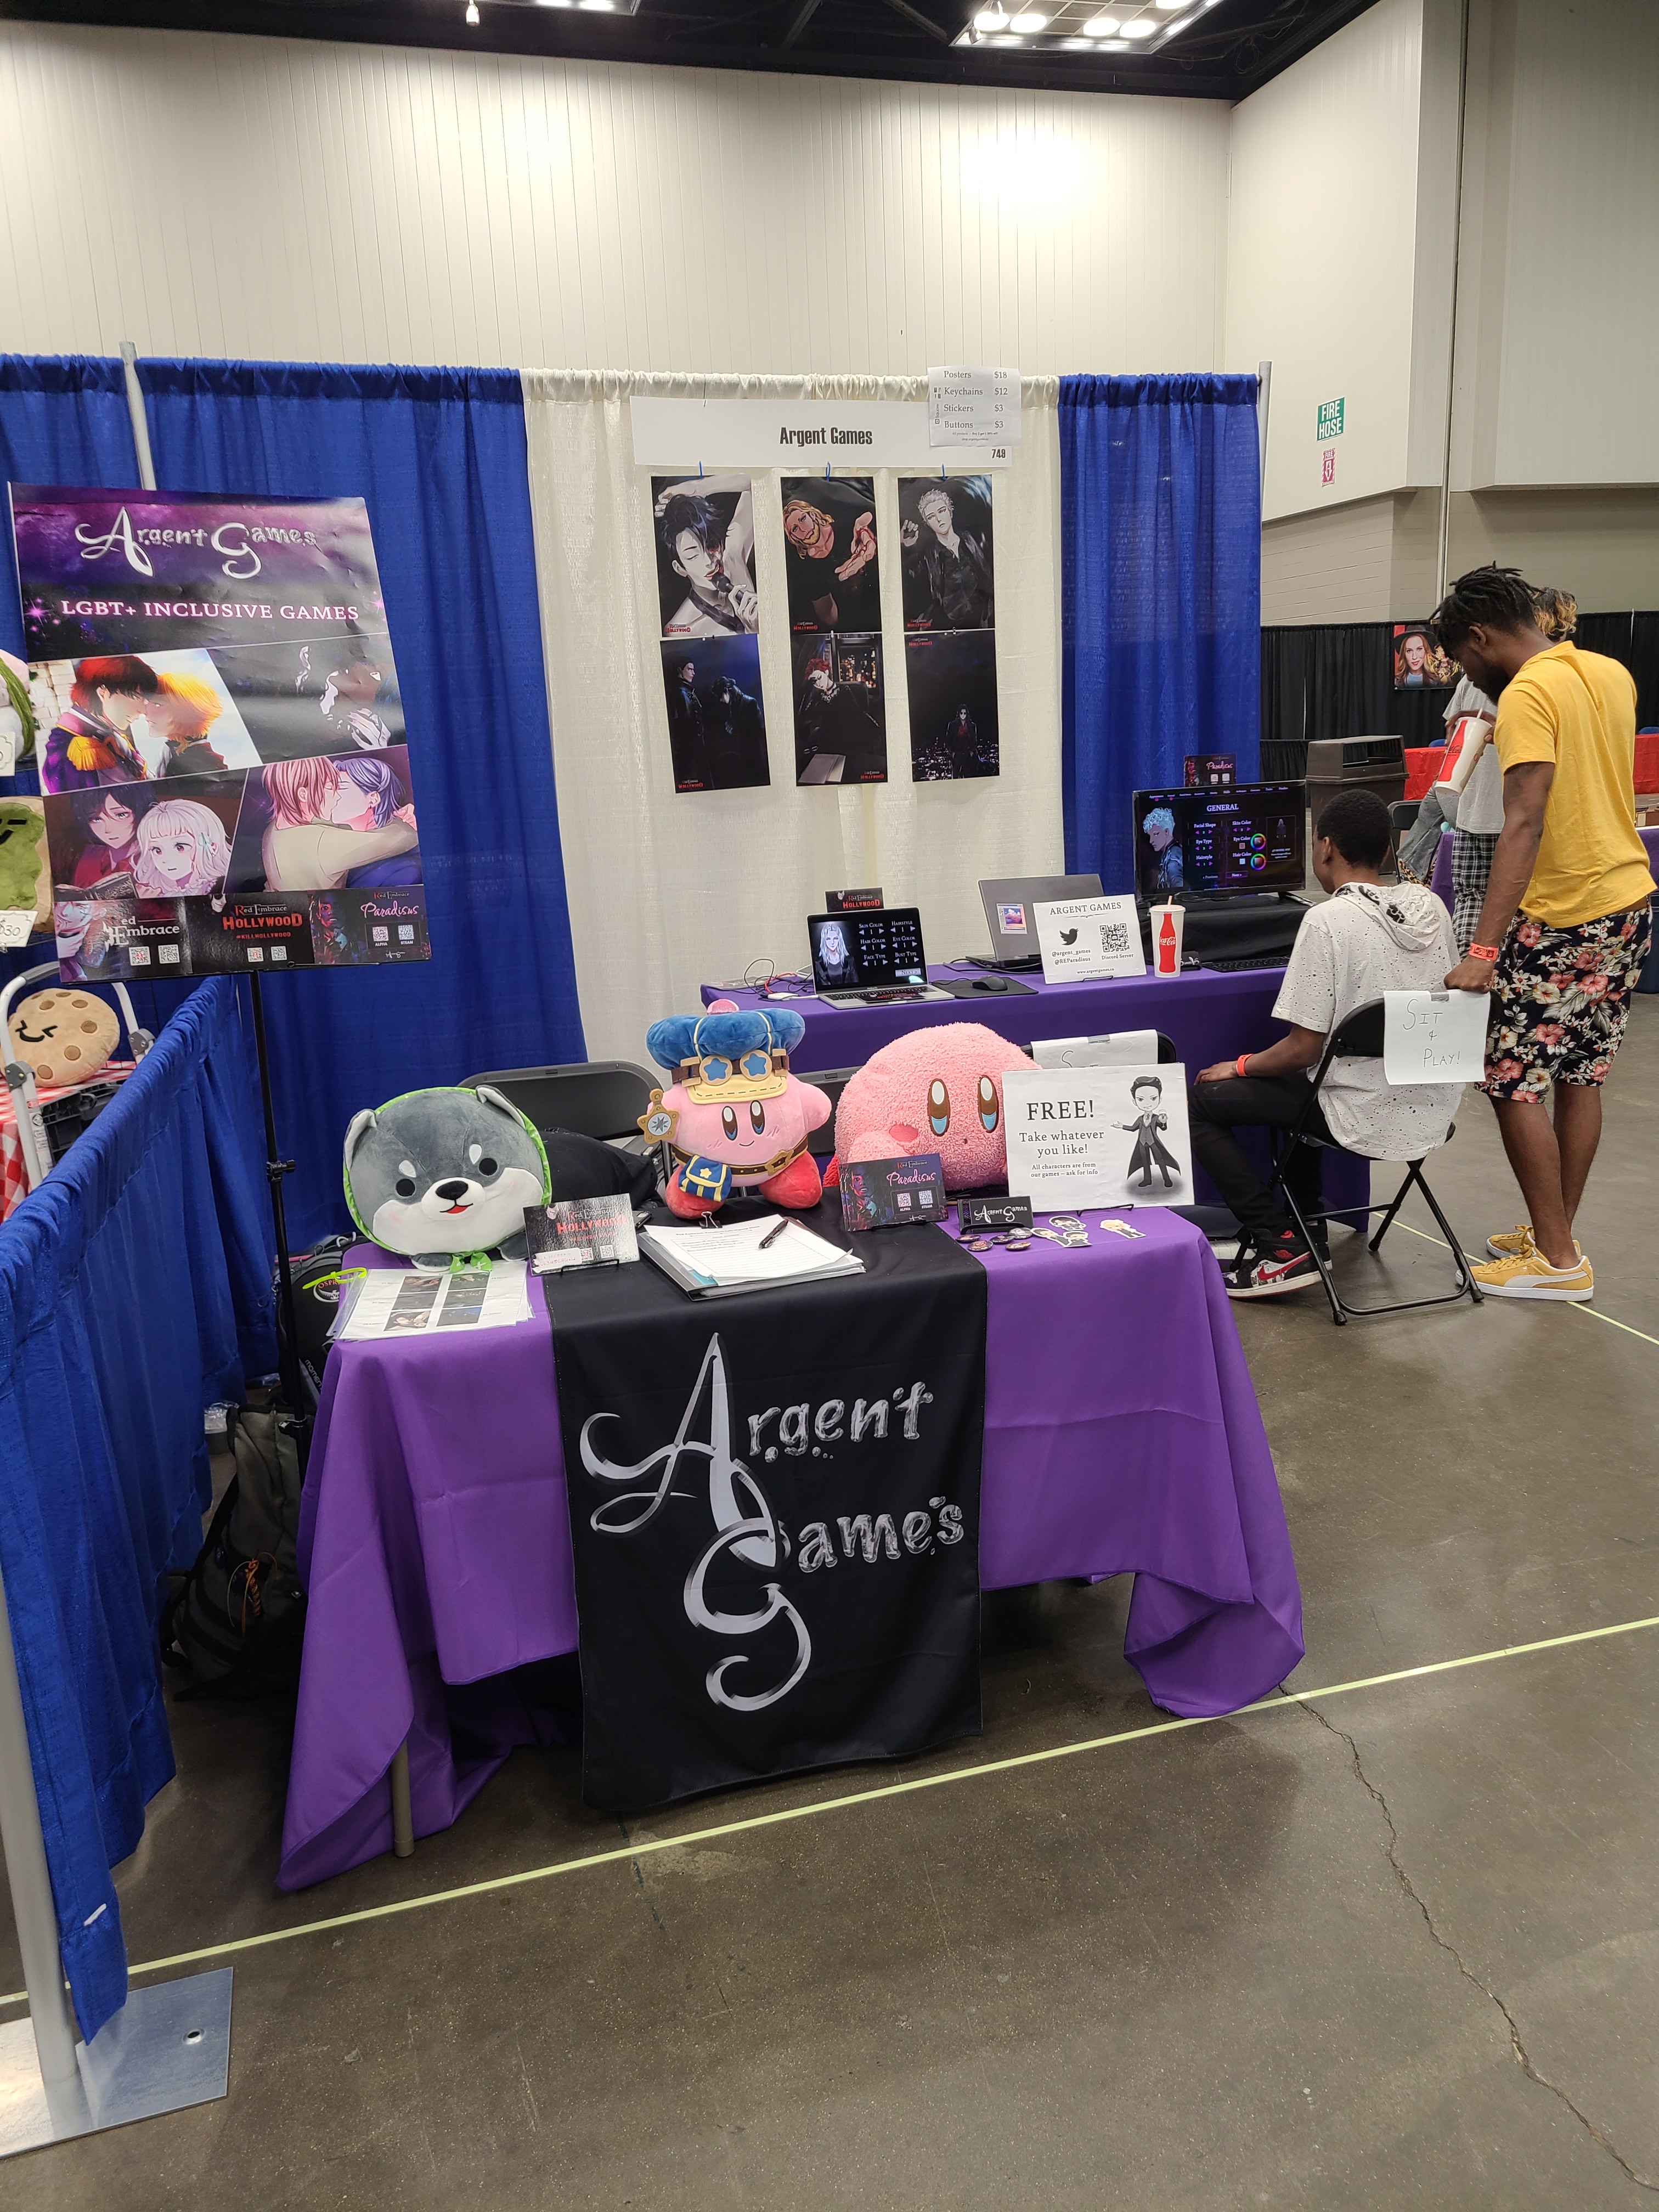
[169, 2046]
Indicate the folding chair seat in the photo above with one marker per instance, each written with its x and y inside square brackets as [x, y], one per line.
[1358, 1035]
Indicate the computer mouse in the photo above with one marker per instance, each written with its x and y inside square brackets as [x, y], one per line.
[991, 983]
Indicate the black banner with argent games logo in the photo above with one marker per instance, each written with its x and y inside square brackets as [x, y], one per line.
[775, 1512]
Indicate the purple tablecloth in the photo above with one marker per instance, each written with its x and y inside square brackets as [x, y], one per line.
[1206, 1014]
[1122, 1434]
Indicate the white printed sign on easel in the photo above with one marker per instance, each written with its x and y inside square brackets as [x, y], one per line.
[1099, 1136]
[1085, 941]
[1434, 1036]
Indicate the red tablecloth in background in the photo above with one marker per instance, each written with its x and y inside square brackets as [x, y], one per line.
[1423, 765]
[14, 1181]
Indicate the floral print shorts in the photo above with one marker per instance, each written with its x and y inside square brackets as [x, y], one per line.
[1560, 999]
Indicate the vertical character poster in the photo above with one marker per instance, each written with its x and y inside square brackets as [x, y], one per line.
[703, 529]
[832, 561]
[950, 627]
[1419, 663]
[222, 742]
[840, 718]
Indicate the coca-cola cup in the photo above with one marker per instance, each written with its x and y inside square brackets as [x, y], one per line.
[1168, 922]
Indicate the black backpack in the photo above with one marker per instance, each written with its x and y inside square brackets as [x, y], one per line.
[237, 1619]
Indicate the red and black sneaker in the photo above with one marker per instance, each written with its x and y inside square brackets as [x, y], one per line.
[1268, 1269]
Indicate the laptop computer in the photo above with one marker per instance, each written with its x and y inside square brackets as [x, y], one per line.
[1008, 901]
[861, 959]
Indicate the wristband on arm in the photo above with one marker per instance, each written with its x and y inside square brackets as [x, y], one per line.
[1483, 952]
[1242, 1065]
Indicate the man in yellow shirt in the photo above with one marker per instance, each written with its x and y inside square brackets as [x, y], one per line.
[1566, 923]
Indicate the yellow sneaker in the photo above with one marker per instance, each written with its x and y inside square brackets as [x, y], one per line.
[1509, 1243]
[1528, 1274]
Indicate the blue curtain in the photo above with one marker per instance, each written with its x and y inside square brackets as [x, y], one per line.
[1161, 600]
[134, 1293]
[62, 421]
[439, 456]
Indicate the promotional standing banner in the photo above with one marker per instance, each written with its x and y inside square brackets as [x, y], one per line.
[950, 627]
[225, 781]
[832, 562]
[774, 1515]
[704, 529]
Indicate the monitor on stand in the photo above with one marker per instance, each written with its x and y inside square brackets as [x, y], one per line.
[1234, 857]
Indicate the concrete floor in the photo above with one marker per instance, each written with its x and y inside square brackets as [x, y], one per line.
[1394, 1947]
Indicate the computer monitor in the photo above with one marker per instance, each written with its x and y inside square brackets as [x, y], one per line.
[874, 951]
[1221, 843]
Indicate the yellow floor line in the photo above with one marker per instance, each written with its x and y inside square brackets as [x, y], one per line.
[1588, 1310]
[1281, 1701]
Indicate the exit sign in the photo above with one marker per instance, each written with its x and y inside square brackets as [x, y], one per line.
[1330, 417]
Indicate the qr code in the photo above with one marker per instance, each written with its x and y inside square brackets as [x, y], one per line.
[168, 955]
[139, 955]
[1114, 936]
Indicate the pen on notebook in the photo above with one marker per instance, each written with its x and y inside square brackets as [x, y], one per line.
[773, 1235]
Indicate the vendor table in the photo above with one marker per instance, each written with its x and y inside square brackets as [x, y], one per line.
[1121, 1435]
[1208, 1014]
[1423, 764]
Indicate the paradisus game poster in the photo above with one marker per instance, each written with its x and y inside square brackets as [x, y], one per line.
[221, 749]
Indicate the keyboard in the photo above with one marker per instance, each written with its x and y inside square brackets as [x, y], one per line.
[887, 998]
[1249, 960]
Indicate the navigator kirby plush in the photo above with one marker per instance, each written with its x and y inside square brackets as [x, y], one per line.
[734, 1118]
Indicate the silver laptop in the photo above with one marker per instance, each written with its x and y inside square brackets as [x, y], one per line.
[1009, 901]
[873, 955]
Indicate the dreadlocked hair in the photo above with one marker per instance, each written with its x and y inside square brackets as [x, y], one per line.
[1497, 598]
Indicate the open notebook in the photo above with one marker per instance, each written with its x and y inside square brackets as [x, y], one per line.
[716, 1263]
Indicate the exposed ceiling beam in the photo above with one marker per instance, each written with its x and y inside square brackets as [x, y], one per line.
[803, 16]
[922, 22]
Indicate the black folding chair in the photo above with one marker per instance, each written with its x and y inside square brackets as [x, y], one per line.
[1358, 1035]
[602, 1098]
[832, 1081]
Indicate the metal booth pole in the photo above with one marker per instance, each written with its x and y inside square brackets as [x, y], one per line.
[169, 2046]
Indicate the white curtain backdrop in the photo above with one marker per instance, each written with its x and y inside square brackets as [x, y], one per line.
[669, 889]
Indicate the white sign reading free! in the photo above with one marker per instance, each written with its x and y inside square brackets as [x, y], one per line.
[1083, 939]
[1099, 1136]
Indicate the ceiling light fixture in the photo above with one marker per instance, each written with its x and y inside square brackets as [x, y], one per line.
[994, 18]
[1139, 29]
[1101, 26]
[472, 11]
[597, 6]
[1030, 22]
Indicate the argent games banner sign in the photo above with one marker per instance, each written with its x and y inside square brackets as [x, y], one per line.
[775, 1514]
[222, 753]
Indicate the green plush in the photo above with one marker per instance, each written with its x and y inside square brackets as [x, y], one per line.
[21, 831]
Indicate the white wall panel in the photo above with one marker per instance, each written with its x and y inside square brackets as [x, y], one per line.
[1322, 255]
[1569, 300]
[228, 196]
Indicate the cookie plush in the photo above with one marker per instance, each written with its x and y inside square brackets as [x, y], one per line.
[65, 1036]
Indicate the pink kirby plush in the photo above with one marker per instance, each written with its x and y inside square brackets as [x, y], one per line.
[735, 1119]
[934, 1090]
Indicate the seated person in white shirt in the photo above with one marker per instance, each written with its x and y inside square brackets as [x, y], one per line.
[1368, 937]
